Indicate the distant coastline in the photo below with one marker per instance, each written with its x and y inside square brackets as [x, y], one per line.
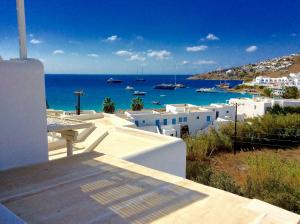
[276, 67]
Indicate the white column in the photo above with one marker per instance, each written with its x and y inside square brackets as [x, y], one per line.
[70, 136]
[69, 147]
[22, 29]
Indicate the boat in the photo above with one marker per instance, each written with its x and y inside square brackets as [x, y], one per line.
[129, 88]
[112, 80]
[139, 93]
[165, 86]
[206, 90]
[156, 102]
[178, 86]
[223, 85]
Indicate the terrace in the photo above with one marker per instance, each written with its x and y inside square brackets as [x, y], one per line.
[93, 187]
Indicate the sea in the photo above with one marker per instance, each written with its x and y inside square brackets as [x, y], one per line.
[60, 91]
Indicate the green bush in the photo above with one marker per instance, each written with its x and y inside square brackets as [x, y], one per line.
[277, 110]
[267, 92]
[269, 131]
[291, 93]
[199, 172]
[207, 144]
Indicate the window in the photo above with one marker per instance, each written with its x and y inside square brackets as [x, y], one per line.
[217, 114]
[198, 118]
[165, 121]
[208, 118]
[254, 107]
[227, 112]
[136, 123]
[180, 119]
[174, 121]
[185, 119]
[144, 121]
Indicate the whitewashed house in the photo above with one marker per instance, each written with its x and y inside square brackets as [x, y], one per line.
[180, 116]
[249, 108]
[263, 80]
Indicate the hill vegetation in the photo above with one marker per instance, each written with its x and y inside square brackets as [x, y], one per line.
[276, 67]
[267, 165]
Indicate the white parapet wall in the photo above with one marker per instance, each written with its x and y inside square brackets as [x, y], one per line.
[23, 132]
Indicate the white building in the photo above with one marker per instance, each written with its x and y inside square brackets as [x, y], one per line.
[292, 80]
[249, 108]
[263, 80]
[180, 117]
[296, 79]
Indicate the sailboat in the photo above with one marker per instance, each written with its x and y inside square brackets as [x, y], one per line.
[141, 79]
[177, 85]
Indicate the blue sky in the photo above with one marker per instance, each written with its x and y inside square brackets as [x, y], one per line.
[160, 36]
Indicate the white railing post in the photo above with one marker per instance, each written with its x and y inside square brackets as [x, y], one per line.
[21, 29]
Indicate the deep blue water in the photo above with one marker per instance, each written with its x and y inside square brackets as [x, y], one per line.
[60, 88]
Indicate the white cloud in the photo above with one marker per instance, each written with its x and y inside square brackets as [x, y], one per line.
[58, 52]
[35, 41]
[162, 54]
[294, 35]
[31, 35]
[252, 48]
[196, 48]
[42, 60]
[131, 56]
[205, 62]
[184, 62]
[211, 36]
[112, 38]
[93, 55]
[124, 53]
[136, 57]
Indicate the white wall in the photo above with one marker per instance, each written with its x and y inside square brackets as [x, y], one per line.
[23, 132]
[169, 158]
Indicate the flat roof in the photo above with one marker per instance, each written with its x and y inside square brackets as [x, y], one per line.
[55, 124]
[97, 188]
[124, 141]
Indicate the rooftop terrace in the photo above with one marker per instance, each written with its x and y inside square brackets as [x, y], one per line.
[97, 188]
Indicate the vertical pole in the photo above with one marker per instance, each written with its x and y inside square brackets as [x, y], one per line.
[235, 127]
[21, 29]
[78, 104]
[78, 94]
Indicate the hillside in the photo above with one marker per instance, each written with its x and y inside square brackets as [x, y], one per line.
[276, 67]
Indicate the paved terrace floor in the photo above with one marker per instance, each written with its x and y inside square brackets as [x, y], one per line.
[97, 188]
